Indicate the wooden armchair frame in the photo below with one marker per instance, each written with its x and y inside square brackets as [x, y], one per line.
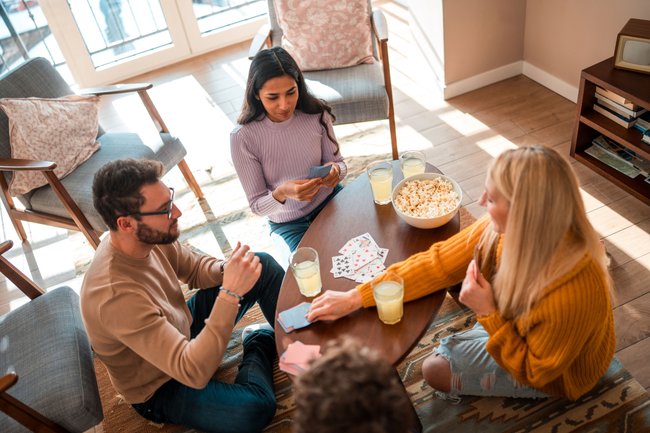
[77, 220]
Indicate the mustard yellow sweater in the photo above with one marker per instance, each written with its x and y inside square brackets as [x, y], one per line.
[570, 341]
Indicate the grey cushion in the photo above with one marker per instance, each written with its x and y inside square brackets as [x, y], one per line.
[169, 150]
[45, 343]
[356, 94]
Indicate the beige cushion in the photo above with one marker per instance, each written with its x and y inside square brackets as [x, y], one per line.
[325, 34]
[62, 130]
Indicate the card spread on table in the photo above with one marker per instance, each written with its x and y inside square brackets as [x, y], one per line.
[361, 259]
[295, 360]
[295, 317]
[319, 171]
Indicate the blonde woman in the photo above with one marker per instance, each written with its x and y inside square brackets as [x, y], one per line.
[535, 274]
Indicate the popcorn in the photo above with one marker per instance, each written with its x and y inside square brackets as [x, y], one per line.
[429, 198]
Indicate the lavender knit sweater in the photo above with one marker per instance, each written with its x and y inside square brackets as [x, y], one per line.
[266, 154]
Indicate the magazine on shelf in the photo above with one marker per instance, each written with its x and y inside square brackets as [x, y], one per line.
[618, 108]
[621, 152]
[625, 122]
[617, 164]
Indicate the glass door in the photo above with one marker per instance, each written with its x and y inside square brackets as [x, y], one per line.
[217, 23]
[105, 41]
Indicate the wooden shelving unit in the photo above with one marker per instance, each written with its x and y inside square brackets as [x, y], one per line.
[589, 124]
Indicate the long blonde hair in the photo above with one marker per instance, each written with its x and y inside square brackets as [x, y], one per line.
[547, 230]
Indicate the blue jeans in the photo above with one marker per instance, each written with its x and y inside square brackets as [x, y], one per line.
[248, 405]
[293, 231]
[475, 372]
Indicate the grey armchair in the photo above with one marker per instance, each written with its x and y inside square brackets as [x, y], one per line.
[357, 93]
[68, 202]
[47, 377]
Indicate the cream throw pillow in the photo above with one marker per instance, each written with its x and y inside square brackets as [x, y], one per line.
[325, 34]
[62, 130]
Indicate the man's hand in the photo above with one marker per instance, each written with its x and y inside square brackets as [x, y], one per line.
[242, 271]
[477, 293]
[301, 190]
[333, 305]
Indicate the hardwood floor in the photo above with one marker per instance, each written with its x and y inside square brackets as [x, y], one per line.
[200, 100]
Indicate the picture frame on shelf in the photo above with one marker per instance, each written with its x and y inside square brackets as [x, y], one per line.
[632, 50]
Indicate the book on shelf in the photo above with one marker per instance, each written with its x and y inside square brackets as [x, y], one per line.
[646, 137]
[616, 98]
[643, 122]
[624, 121]
[618, 108]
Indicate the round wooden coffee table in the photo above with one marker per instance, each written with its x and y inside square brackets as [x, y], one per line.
[350, 213]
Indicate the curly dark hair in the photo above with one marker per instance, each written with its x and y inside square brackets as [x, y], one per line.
[351, 388]
[116, 187]
[276, 62]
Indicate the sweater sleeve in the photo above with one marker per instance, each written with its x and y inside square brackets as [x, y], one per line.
[251, 175]
[198, 271]
[328, 147]
[147, 332]
[442, 265]
[541, 349]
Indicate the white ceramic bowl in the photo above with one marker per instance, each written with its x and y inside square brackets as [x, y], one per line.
[422, 222]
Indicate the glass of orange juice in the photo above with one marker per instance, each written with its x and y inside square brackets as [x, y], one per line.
[306, 269]
[389, 297]
[380, 174]
[412, 162]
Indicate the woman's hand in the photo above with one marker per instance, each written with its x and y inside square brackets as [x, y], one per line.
[242, 271]
[333, 177]
[301, 190]
[333, 305]
[476, 293]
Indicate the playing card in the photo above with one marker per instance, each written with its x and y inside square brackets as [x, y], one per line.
[296, 359]
[342, 264]
[383, 252]
[370, 271]
[319, 171]
[361, 241]
[363, 256]
[295, 317]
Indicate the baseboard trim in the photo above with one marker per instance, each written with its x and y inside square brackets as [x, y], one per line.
[483, 79]
[560, 87]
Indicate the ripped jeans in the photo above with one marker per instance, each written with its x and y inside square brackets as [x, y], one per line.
[475, 372]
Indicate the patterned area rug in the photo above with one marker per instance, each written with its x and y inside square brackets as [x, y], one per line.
[617, 404]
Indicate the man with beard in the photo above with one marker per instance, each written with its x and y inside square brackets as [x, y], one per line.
[159, 350]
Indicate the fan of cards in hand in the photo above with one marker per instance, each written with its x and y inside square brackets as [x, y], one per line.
[361, 259]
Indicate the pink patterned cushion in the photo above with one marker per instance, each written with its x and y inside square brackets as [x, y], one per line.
[60, 130]
[325, 34]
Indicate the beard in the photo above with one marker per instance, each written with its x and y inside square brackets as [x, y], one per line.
[147, 235]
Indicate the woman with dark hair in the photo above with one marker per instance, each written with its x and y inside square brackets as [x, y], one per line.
[283, 131]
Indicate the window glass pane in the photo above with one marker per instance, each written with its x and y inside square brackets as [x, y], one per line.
[214, 15]
[24, 34]
[119, 29]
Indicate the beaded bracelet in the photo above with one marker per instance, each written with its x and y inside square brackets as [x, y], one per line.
[231, 293]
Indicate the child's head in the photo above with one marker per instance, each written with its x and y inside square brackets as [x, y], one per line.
[351, 388]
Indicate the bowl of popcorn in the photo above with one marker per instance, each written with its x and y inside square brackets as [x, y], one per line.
[427, 200]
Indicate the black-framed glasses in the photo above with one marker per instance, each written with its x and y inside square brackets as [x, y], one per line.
[167, 211]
